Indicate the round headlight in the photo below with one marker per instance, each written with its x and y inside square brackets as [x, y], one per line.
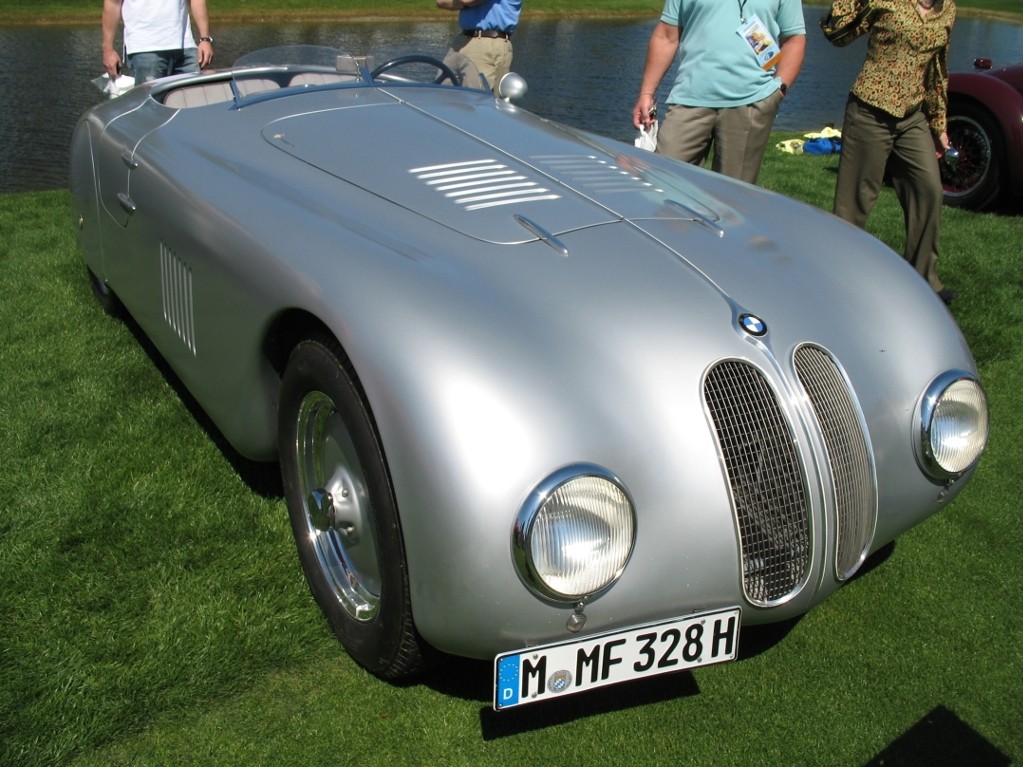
[574, 534]
[953, 424]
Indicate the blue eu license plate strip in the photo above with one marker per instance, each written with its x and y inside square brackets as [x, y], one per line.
[544, 673]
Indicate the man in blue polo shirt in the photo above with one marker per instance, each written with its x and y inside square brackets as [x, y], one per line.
[485, 37]
[737, 60]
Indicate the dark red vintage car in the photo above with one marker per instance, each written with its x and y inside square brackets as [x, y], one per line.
[985, 125]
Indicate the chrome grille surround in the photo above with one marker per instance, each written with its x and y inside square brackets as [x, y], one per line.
[768, 491]
[844, 432]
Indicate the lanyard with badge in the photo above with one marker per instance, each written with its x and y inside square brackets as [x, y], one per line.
[759, 39]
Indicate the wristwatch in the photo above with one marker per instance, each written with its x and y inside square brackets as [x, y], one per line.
[784, 89]
[206, 39]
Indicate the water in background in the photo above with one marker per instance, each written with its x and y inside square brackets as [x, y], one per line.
[583, 73]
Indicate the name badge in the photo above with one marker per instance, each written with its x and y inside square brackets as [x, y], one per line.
[760, 41]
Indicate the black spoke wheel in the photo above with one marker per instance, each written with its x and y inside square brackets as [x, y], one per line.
[343, 512]
[445, 72]
[975, 179]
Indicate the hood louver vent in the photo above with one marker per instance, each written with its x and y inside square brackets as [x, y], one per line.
[481, 184]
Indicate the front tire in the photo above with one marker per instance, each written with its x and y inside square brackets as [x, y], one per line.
[343, 512]
[978, 175]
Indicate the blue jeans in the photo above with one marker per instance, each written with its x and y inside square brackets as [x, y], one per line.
[150, 65]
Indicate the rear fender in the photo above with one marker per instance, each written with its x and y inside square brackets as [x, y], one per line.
[1005, 105]
[85, 208]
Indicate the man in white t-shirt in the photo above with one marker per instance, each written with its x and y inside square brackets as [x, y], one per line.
[736, 61]
[157, 37]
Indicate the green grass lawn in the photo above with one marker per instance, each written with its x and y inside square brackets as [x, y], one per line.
[152, 609]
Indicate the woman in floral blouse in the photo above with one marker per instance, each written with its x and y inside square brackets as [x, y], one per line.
[896, 117]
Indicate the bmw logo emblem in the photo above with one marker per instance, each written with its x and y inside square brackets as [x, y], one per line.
[753, 325]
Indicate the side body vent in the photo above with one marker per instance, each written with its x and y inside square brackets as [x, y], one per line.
[768, 492]
[852, 472]
[176, 292]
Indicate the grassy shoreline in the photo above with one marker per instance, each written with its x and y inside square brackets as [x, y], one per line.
[60, 12]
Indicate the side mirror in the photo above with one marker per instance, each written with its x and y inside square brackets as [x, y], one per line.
[512, 87]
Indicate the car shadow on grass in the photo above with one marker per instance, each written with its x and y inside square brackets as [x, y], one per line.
[559, 711]
[263, 478]
[473, 680]
[941, 739]
[874, 561]
[495, 725]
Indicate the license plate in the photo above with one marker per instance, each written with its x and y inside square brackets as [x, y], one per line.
[543, 673]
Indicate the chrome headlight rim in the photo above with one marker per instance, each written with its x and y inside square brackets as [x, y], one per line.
[933, 397]
[525, 525]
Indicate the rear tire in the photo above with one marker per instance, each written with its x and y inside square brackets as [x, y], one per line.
[978, 176]
[343, 512]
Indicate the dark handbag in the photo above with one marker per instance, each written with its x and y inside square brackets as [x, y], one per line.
[842, 30]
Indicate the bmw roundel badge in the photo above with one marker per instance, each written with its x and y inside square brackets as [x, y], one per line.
[753, 325]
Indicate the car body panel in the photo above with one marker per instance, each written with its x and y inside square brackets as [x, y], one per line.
[498, 343]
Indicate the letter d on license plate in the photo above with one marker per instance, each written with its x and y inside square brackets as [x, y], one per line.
[542, 673]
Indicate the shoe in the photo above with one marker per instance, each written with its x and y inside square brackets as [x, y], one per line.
[947, 296]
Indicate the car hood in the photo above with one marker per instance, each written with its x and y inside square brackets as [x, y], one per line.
[634, 236]
[540, 181]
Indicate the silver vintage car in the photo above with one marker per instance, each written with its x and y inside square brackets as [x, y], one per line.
[537, 396]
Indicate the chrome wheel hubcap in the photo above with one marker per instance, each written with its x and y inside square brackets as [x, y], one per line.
[338, 507]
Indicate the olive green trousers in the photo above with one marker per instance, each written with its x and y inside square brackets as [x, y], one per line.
[873, 140]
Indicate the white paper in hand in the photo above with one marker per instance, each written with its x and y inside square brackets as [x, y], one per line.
[114, 88]
[647, 138]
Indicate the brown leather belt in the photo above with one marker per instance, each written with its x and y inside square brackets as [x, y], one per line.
[492, 33]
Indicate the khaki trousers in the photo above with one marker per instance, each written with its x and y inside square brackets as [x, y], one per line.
[872, 140]
[491, 55]
[739, 136]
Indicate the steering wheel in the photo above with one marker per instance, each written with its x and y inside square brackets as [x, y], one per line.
[446, 72]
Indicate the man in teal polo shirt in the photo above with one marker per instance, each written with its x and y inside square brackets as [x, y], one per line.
[485, 37]
[737, 60]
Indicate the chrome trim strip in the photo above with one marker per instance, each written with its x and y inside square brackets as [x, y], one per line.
[543, 234]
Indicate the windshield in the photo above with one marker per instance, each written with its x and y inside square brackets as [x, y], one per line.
[271, 69]
[291, 55]
[289, 70]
